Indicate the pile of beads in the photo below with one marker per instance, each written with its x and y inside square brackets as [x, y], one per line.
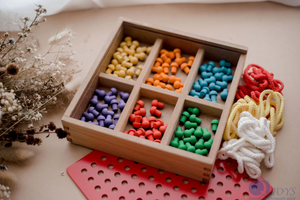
[162, 68]
[105, 117]
[193, 138]
[213, 80]
[147, 128]
[126, 57]
[257, 79]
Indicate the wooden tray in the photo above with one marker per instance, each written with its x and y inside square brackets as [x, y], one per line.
[159, 155]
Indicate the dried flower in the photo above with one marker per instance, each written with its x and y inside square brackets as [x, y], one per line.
[12, 69]
[30, 140]
[51, 126]
[13, 135]
[61, 133]
[11, 41]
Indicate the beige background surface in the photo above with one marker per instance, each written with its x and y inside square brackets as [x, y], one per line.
[270, 31]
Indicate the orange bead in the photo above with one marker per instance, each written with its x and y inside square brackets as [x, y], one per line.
[179, 90]
[165, 58]
[165, 67]
[163, 51]
[171, 55]
[159, 86]
[169, 87]
[165, 77]
[174, 66]
[157, 69]
[157, 82]
[191, 60]
[177, 53]
[177, 84]
[185, 68]
[173, 78]
[149, 81]
[159, 61]
[157, 77]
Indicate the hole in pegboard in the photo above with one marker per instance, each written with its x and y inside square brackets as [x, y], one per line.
[228, 193]
[144, 169]
[127, 168]
[193, 190]
[90, 179]
[132, 191]
[211, 191]
[254, 187]
[83, 171]
[149, 193]
[141, 184]
[219, 198]
[184, 196]
[212, 176]
[228, 162]
[122, 198]
[94, 164]
[107, 181]
[120, 159]
[168, 179]
[100, 173]
[201, 198]
[246, 194]
[151, 178]
[176, 188]
[133, 176]
[158, 186]
[246, 179]
[110, 166]
[124, 183]
[160, 171]
[166, 195]
[117, 174]
[97, 187]
[114, 189]
[220, 169]
[228, 177]
[103, 158]
[220, 184]
[202, 183]
[104, 196]
[185, 181]
[237, 185]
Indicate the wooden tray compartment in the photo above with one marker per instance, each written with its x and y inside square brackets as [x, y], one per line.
[159, 155]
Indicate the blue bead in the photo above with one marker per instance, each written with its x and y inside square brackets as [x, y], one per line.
[211, 79]
[202, 83]
[194, 93]
[209, 67]
[224, 94]
[227, 78]
[219, 76]
[222, 84]
[211, 63]
[213, 86]
[216, 70]
[204, 91]
[207, 98]
[197, 86]
[206, 74]
[213, 94]
[224, 63]
[229, 71]
[202, 68]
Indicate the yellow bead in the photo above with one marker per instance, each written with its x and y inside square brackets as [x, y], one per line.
[120, 73]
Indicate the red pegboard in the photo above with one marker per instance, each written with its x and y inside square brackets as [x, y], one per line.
[103, 176]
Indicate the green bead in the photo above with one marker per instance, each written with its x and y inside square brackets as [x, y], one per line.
[198, 132]
[206, 134]
[200, 144]
[190, 147]
[181, 145]
[175, 143]
[207, 145]
[189, 125]
[178, 132]
[184, 116]
[191, 140]
[202, 152]
[193, 118]
[195, 111]
[188, 132]
[214, 125]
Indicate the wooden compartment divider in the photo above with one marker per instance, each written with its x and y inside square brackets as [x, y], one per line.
[159, 155]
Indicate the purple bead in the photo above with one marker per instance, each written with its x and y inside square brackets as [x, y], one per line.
[100, 93]
[108, 121]
[112, 127]
[121, 104]
[106, 112]
[88, 116]
[116, 118]
[124, 96]
[100, 106]
[107, 99]
[82, 118]
[114, 105]
[96, 123]
[93, 111]
[101, 119]
[94, 100]
[113, 91]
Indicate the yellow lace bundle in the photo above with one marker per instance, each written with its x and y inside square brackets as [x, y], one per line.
[271, 108]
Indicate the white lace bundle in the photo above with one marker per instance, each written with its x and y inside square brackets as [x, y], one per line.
[256, 143]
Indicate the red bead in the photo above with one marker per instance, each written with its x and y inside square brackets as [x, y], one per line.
[139, 104]
[163, 128]
[145, 123]
[154, 111]
[157, 104]
[141, 111]
[152, 120]
[158, 123]
[132, 118]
